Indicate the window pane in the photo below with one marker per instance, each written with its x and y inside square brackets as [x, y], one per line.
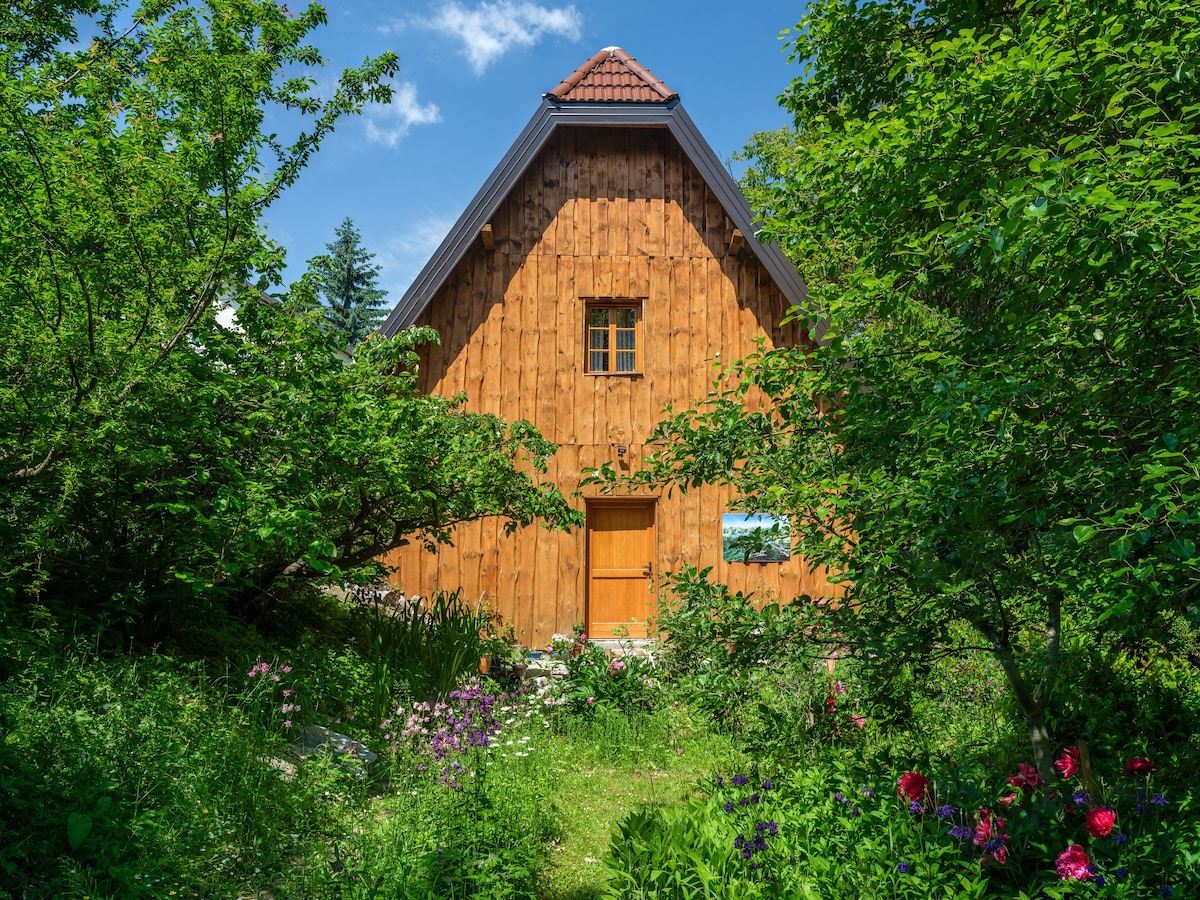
[598, 317]
[598, 340]
[626, 339]
[626, 361]
[598, 362]
[626, 318]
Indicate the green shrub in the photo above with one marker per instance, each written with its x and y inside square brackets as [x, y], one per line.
[841, 827]
[595, 684]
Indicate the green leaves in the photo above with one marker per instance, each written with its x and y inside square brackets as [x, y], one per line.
[995, 208]
[157, 453]
[79, 826]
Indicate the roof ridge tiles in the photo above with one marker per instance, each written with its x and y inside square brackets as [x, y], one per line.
[596, 81]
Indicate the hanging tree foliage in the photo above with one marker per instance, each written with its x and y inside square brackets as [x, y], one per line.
[997, 208]
[152, 458]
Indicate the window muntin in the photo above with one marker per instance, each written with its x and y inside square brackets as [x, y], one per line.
[614, 344]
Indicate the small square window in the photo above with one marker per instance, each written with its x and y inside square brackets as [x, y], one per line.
[614, 338]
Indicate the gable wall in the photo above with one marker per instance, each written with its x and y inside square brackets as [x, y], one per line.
[615, 212]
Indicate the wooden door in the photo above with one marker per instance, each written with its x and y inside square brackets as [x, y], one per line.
[620, 560]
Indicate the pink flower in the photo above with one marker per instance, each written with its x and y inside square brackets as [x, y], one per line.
[1072, 864]
[287, 723]
[858, 720]
[839, 688]
[1027, 779]
[1009, 800]
[285, 669]
[1099, 821]
[591, 700]
[912, 785]
[990, 836]
[1068, 763]
[1139, 765]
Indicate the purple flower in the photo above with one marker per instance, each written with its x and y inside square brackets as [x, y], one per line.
[962, 832]
[754, 798]
[747, 853]
[839, 798]
[868, 792]
[914, 806]
[903, 868]
[772, 828]
[768, 785]
[739, 780]
[856, 812]
[1158, 800]
[728, 806]
[720, 782]
[1122, 873]
[945, 811]
[1166, 891]
[1142, 809]
[1099, 879]
[1120, 839]
[1083, 798]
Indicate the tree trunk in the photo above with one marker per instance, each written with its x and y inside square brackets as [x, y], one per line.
[1032, 705]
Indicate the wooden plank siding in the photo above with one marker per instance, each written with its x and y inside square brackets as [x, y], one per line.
[612, 213]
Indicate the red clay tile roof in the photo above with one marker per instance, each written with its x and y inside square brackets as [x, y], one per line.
[612, 76]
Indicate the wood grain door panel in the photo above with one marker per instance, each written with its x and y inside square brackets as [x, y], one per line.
[620, 553]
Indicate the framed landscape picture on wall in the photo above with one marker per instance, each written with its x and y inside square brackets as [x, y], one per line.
[755, 538]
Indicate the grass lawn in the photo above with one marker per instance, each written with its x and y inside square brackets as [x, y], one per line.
[608, 770]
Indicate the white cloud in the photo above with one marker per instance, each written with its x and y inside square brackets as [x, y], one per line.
[489, 30]
[389, 124]
[404, 254]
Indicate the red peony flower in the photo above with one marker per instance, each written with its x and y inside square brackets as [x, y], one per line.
[1139, 765]
[1099, 821]
[1072, 864]
[912, 785]
[1068, 763]
[1027, 779]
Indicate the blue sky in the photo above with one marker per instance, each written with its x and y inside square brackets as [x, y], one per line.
[473, 73]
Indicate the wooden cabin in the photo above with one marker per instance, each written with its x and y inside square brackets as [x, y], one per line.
[600, 271]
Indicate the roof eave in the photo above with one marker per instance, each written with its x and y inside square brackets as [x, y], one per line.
[551, 114]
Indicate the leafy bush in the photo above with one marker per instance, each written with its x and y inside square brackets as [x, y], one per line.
[720, 642]
[840, 828]
[595, 684]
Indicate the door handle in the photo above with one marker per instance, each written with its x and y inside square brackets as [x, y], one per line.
[648, 569]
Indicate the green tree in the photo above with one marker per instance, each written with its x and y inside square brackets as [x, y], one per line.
[996, 206]
[345, 281]
[150, 457]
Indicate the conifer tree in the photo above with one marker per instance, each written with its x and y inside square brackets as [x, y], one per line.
[346, 283]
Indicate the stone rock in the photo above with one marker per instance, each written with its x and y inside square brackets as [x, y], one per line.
[318, 739]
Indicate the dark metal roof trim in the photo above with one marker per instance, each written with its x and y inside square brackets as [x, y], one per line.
[549, 116]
